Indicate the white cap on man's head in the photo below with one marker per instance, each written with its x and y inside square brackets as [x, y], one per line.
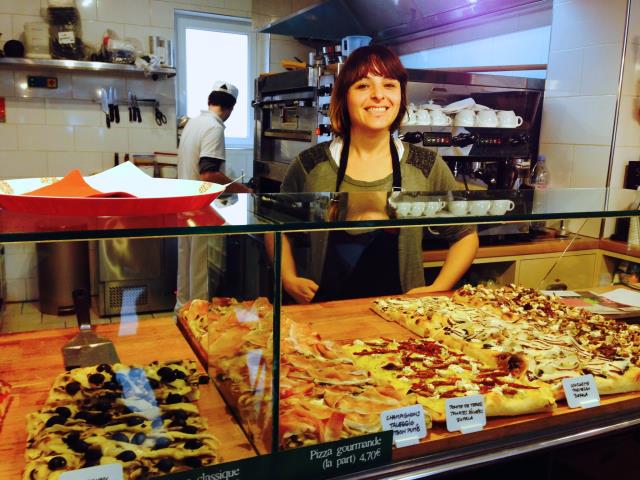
[221, 86]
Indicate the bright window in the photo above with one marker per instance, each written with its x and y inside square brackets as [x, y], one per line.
[210, 48]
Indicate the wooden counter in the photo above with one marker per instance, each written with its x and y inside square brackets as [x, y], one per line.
[30, 361]
[352, 319]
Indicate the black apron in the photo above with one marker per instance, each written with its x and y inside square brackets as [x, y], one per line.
[365, 264]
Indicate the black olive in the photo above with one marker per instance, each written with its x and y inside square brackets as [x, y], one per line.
[63, 412]
[179, 374]
[176, 423]
[155, 384]
[192, 444]
[127, 410]
[72, 437]
[111, 395]
[55, 420]
[165, 465]
[78, 446]
[126, 456]
[94, 454]
[189, 429]
[120, 437]
[82, 415]
[138, 438]
[193, 462]
[133, 421]
[157, 423]
[203, 379]
[167, 375]
[72, 388]
[102, 405]
[166, 415]
[180, 415]
[173, 398]
[162, 442]
[111, 385]
[96, 378]
[100, 419]
[105, 367]
[56, 463]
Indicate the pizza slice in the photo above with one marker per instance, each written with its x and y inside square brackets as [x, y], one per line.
[435, 373]
[156, 383]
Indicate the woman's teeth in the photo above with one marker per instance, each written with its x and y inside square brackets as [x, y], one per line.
[376, 109]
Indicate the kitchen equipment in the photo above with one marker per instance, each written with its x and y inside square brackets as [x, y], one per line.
[114, 109]
[290, 111]
[13, 48]
[104, 101]
[64, 24]
[161, 118]
[87, 348]
[62, 268]
[353, 42]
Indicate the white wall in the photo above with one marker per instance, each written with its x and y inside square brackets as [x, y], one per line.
[505, 39]
[47, 136]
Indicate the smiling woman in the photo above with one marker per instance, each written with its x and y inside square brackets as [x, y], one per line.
[367, 105]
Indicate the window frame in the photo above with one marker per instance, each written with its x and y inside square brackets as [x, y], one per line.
[184, 20]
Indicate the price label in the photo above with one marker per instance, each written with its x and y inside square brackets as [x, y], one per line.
[466, 414]
[407, 424]
[581, 391]
[336, 458]
[66, 38]
[110, 471]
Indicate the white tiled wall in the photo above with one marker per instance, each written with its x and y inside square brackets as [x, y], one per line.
[581, 91]
[52, 132]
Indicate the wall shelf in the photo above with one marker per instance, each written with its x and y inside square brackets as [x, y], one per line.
[85, 66]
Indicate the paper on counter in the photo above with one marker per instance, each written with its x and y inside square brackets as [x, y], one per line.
[623, 296]
[560, 293]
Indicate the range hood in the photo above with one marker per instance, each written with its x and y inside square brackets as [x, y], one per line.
[386, 21]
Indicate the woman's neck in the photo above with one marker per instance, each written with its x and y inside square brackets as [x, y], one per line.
[369, 155]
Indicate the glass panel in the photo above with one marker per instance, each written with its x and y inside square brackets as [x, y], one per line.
[361, 335]
[99, 365]
[254, 213]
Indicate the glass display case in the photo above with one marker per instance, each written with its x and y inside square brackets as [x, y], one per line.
[369, 379]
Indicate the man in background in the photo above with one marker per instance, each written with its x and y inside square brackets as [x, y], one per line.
[201, 156]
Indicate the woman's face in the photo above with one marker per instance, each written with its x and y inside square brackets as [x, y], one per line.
[374, 102]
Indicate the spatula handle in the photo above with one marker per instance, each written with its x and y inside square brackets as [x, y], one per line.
[82, 303]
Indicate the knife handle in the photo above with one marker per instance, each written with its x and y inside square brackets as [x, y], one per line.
[106, 116]
[111, 112]
[130, 114]
[116, 110]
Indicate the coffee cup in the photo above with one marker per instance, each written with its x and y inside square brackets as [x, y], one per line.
[432, 207]
[458, 207]
[439, 118]
[509, 119]
[403, 208]
[423, 117]
[487, 118]
[479, 207]
[500, 207]
[417, 209]
[465, 118]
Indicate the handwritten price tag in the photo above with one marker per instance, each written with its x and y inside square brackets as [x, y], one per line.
[407, 424]
[466, 414]
[581, 391]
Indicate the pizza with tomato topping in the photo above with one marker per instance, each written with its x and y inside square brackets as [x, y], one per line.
[435, 373]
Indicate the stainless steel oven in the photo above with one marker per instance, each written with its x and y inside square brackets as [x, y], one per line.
[290, 115]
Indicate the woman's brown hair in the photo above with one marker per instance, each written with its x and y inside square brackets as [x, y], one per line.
[374, 59]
